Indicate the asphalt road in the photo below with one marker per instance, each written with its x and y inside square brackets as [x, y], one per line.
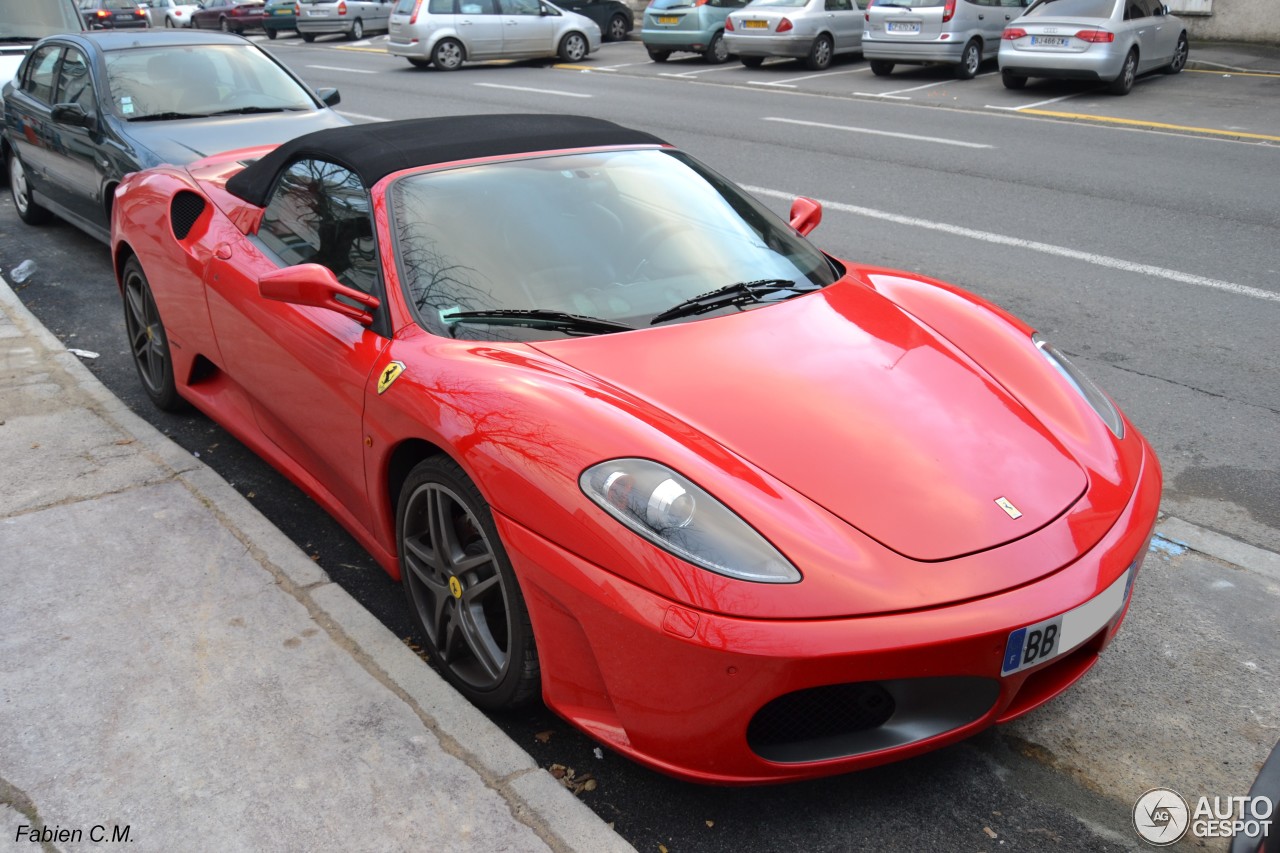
[1147, 255]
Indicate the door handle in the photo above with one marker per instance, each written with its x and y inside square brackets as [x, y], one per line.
[981, 18]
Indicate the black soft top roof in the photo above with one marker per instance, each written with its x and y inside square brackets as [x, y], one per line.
[373, 151]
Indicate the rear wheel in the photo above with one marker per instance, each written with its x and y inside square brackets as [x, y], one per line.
[970, 60]
[751, 61]
[271, 34]
[573, 47]
[28, 211]
[716, 52]
[880, 68]
[1012, 81]
[357, 30]
[168, 22]
[819, 57]
[461, 588]
[1128, 73]
[617, 29]
[1179, 60]
[420, 63]
[148, 342]
[659, 55]
[224, 25]
[447, 55]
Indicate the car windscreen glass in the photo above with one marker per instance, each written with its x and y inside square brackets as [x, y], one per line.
[792, 4]
[671, 4]
[620, 236]
[120, 5]
[1072, 8]
[199, 80]
[908, 4]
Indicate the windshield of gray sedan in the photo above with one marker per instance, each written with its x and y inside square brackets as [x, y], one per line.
[199, 80]
[617, 236]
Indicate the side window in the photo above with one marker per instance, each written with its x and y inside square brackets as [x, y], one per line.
[75, 86]
[521, 7]
[477, 7]
[839, 5]
[319, 214]
[441, 7]
[38, 82]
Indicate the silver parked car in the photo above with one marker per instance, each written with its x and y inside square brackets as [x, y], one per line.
[812, 30]
[169, 13]
[352, 18]
[1112, 41]
[446, 33]
[916, 32]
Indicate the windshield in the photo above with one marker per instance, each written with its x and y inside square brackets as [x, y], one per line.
[1072, 8]
[199, 80]
[618, 236]
[25, 20]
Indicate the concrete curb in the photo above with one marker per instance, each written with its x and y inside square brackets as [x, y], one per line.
[534, 797]
[1220, 547]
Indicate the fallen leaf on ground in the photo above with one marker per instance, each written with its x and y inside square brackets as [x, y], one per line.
[989, 831]
[543, 737]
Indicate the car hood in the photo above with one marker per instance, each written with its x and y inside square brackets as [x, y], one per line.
[863, 409]
[183, 141]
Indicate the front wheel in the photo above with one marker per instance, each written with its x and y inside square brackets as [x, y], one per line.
[271, 34]
[1179, 60]
[148, 341]
[420, 63]
[1128, 73]
[1012, 81]
[617, 29]
[819, 57]
[357, 30]
[461, 589]
[447, 55]
[28, 211]
[573, 47]
[716, 52]
[970, 61]
[880, 68]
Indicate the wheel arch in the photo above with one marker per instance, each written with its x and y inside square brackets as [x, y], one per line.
[121, 253]
[402, 459]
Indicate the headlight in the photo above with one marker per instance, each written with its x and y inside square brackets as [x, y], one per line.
[1100, 402]
[677, 516]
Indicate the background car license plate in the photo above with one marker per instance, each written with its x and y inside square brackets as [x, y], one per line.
[757, 25]
[1045, 640]
[1049, 41]
[668, 19]
[898, 27]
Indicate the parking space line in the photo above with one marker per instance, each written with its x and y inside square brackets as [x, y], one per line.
[866, 130]
[344, 70]
[788, 81]
[701, 71]
[1155, 125]
[530, 89]
[1040, 103]
[1229, 71]
[896, 94]
[1032, 245]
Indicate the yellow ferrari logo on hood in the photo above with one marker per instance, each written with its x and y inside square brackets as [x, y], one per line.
[1007, 505]
[389, 374]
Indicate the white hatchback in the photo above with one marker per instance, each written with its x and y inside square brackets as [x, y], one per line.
[446, 33]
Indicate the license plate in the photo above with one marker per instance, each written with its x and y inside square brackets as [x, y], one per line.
[318, 13]
[1044, 641]
[668, 19]
[1049, 41]
[283, 12]
[756, 25]
[892, 27]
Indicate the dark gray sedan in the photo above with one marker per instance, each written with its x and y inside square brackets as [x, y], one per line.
[87, 109]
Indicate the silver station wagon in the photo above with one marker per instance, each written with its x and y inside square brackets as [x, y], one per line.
[447, 33]
[351, 18]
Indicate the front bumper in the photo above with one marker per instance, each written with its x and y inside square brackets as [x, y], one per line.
[795, 47]
[719, 699]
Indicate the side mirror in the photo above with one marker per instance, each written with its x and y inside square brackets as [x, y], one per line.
[72, 114]
[329, 96]
[312, 284]
[805, 215]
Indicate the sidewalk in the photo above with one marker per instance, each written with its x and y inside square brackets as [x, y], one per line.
[172, 667]
[1236, 57]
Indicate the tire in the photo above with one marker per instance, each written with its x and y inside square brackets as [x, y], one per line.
[819, 58]
[168, 22]
[573, 47]
[880, 68]
[271, 34]
[970, 61]
[420, 63]
[224, 25]
[148, 342]
[617, 29]
[28, 211]
[717, 52]
[1179, 60]
[1012, 81]
[357, 30]
[461, 589]
[308, 37]
[659, 55]
[751, 61]
[447, 55]
[1128, 73]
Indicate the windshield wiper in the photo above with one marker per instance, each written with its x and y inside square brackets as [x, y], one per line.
[165, 116]
[738, 293]
[244, 111]
[539, 318]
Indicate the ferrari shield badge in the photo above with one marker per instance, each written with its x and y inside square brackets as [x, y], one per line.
[389, 374]
[1007, 505]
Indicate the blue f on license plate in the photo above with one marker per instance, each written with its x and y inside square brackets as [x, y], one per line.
[1044, 641]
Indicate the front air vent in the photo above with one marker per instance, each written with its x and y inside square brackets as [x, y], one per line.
[184, 210]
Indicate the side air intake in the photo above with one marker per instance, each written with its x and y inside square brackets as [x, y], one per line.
[184, 210]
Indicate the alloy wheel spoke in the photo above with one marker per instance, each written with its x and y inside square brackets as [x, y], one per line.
[475, 630]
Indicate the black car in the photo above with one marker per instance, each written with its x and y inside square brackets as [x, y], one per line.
[87, 109]
[113, 15]
[614, 17]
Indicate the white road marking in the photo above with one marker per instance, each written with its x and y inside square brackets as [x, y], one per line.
[539, 91]
[1041, 103]
[786, 84]
[935, 139]
[897, 95]
[1032, 245]
[343, 70]
[701, 71]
